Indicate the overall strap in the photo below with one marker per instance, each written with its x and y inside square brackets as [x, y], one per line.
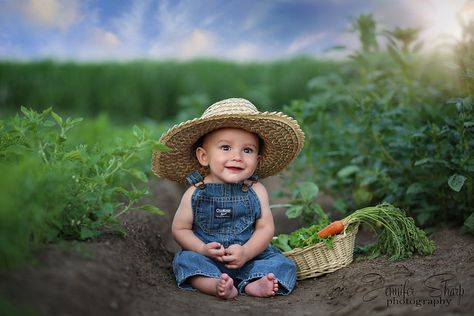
[195, 179]
[247, 184]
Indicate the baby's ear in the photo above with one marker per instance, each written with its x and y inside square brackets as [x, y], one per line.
[201, 156]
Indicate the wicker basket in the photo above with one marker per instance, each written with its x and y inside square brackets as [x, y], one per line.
[316, 260]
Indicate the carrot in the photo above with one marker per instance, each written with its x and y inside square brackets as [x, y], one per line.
[332, 229]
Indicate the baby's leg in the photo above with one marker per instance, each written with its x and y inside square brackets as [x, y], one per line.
[222, 287]
[264, 287]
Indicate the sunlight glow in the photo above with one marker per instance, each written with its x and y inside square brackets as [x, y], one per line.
[443, 17]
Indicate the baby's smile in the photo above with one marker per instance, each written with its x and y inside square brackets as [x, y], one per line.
[234, 168]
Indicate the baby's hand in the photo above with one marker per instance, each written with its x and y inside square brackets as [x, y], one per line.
[214, 250]
[234, 256]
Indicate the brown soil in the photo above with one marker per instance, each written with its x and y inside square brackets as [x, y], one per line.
[132, 276]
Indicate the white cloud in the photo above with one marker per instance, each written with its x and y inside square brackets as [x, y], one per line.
[52, 13]
[435, 17]
[305, 41]
[102, 38]
[173, 21]
[244, 51]
[198, 43]
[179, 33]
[93, 44]
[130, 25]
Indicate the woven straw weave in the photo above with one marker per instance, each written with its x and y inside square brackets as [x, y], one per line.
[316, 260]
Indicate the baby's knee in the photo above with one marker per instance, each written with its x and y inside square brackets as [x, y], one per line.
[186, 258]
[188, 255]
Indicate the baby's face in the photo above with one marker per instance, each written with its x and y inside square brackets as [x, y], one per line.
[230, 153]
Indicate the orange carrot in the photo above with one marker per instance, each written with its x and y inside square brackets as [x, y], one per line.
[332, 229]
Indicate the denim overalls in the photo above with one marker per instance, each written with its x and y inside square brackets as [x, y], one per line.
[226, 213]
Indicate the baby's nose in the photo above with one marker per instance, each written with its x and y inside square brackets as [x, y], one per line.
[237, 156]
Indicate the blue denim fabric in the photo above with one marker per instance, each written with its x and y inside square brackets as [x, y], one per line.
[226, 213]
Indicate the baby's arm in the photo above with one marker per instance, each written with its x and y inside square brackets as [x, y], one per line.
[181, 229]
[236, 255]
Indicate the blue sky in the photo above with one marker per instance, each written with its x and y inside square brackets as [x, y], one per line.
[230, 29]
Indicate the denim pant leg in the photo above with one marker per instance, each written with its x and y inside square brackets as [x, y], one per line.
[189, 263]
[270, 260]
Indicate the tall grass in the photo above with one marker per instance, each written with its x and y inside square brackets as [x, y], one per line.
[152, 89]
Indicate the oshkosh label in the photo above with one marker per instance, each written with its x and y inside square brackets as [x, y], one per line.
[223, 213]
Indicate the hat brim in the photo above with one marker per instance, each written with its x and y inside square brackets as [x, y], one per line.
[283, 140]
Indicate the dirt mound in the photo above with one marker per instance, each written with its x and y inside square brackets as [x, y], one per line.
[114, 275]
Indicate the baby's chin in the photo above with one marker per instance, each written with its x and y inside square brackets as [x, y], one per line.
[229, 178]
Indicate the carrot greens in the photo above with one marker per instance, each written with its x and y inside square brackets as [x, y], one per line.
[397, 235]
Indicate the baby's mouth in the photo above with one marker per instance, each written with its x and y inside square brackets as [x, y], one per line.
[233, 168]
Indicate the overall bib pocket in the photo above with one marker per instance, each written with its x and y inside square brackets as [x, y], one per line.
[223, 215]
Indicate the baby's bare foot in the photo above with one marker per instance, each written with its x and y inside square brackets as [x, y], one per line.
[265, 287]
[226, 288]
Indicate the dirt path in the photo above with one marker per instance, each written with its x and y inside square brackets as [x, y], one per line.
[132, 276]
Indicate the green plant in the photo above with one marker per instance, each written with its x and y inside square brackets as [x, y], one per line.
[366, 26]
[391, 127]
[54, 189]
[303, 237]
[160, 90]
[302, 204]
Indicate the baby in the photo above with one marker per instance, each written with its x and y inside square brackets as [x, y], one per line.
[224, 224]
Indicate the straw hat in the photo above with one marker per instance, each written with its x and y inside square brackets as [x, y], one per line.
[282, 136]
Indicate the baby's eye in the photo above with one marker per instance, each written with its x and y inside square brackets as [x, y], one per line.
[248, 150]
[225, 147]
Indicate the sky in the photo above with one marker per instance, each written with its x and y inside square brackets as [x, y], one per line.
[242, 30]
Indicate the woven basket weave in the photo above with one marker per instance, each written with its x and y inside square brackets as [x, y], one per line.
[316, 260]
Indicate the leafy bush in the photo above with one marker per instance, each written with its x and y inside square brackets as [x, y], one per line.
[54, 189]
[392, 127]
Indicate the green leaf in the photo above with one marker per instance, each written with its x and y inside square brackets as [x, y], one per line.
[423, 217]
[294, 211]
[368, 179]
[75, 121]
[136, 194]
[25, 110]
[86, 233]
[308, 191]
[281, 242]
[121, 190]
[137, 132]
[106, 210]
[151, 209]
[469, 224]
[396, 55]
[340, 205]
[348, 171]
[160, 147]
[72, 155]
[138, 174]
[90, 197]
[57, 118]
[456, 182]
[422, 161]
[416, 188]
